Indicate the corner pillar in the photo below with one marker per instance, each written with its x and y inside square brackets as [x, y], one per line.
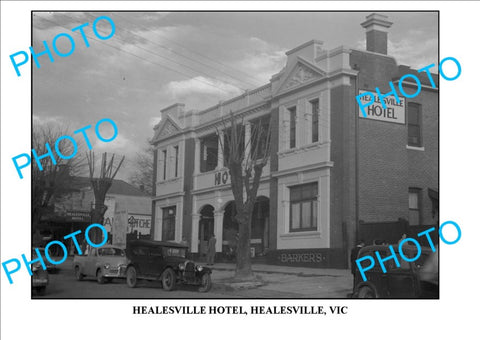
[194, 239]
[218, 230]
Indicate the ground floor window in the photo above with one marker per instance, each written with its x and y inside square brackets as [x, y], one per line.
[168, 223]
[303, 207]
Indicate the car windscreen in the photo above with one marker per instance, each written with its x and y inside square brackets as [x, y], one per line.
[111, 252]
[168, 251]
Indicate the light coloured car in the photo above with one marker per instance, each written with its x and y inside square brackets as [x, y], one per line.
[104, 263]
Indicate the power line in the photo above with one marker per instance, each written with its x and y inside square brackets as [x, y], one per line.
[172, 60]
[195, 52]
[320, 119]
[169, 49]
[144, 59]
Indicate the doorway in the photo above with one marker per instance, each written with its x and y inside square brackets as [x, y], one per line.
[205, 230]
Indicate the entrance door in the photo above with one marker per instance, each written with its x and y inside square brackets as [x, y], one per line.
[205, 230]
[259, 236]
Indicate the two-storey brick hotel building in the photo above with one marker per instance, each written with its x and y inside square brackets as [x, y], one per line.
[330, 171]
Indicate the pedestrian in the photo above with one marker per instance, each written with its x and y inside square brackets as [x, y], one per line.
[185, 243]
[353, 257]
[404, 236]
[211, 250]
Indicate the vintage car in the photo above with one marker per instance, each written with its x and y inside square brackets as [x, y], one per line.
[406, 281]
[165, 262]
[104, 263]
[39, 279]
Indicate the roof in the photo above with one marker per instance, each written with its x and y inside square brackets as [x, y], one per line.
[150, 243]
[422, 76]
[119, 187]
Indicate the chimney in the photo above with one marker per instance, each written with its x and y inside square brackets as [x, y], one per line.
[376, 27]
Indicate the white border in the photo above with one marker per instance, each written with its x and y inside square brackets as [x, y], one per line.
[454, 316]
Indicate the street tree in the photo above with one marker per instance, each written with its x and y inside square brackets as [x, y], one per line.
[54, 180]
[100, 186]
[142, 175]
[246, 150]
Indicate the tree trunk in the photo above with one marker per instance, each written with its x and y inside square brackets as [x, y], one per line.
[96, 235]
[243, 269]
[98, 212]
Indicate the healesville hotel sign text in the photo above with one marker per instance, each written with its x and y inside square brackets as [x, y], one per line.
[393, 113]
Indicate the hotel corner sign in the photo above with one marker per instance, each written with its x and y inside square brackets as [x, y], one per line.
[393, 113]
[221, 177]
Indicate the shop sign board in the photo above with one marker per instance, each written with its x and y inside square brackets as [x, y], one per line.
[393, 112]
[139, 222]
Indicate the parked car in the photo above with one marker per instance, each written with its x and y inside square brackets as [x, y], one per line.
[406, 281]
[104, 263]
[39, 279]
[165, 262]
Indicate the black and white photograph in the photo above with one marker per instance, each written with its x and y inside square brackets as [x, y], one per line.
[240, 165]
[173, 166]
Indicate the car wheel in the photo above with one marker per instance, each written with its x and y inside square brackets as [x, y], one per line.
[206, 283]
[131, 277]
[41, 290]
[100, 277]
[78, 274]
[169, 279]
[366, 293]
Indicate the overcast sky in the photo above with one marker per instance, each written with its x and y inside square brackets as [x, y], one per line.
[156, 59]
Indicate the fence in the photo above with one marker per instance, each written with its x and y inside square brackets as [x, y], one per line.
[392, 231]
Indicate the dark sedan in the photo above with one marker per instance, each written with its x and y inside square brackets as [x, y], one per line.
[165, 262]
[409, 280]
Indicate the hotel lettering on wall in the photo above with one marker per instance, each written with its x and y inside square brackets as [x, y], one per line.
[221, 177]
[302, 257]
[393, 113]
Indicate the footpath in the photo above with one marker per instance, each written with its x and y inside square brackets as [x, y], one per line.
[271, 281]
[286, 281]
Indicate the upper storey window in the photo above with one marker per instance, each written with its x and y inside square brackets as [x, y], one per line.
[233, 143]
[208, 153]
[315, 110]
[259, 136]
[293, 126]
[414, 124]
[164, 175]
[175, 149]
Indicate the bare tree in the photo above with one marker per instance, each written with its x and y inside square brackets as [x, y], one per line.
[245, 157]
[142, 177]
[101, 185]
[51, 181]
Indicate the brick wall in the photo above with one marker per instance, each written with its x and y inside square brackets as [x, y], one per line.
[423, 165]
[386, 167]
[342, 188]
